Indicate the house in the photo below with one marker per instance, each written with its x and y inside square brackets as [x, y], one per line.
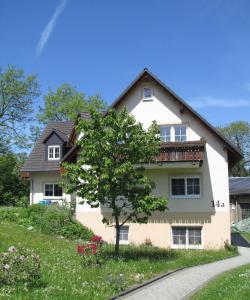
[239, 190]
[191, 171]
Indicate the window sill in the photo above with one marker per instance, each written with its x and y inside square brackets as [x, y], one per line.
[54, 159]
[147, 99]
[52, 197]
[185, 197]
[123, 242]
[187, 247]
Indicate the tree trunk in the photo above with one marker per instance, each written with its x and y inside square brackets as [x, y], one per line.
[117, 239]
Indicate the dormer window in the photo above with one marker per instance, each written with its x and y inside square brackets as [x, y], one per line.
[54, 152]
[147, 94]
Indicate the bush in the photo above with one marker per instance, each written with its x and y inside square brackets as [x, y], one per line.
[148, 242]
[92, 252]
[19, 265]
[56, 220]
[77, 231]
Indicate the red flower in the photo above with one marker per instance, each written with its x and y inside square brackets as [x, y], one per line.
[80, 249]
[96, 239]
[93, 247]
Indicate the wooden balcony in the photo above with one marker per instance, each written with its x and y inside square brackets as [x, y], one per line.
[191, 151]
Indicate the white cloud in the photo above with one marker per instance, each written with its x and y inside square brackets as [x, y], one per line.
[50, 27]
[218, 102]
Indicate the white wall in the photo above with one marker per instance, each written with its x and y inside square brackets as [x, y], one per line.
[38, 179]
[214, 170]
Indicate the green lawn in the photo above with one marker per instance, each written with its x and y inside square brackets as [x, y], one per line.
[232, 285]
[246, 235]
[64, 276]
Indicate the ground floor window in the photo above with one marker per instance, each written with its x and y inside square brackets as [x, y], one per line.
[124, 234]
[186, 236]
[52, 190]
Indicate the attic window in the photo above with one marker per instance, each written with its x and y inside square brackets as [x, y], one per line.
[54, 152]
[147, 94]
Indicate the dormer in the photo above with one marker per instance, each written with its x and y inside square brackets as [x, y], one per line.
[55, 145]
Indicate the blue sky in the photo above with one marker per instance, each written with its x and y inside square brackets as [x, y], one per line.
[199, 48]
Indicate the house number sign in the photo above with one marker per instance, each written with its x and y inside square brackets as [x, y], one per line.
[217, 204]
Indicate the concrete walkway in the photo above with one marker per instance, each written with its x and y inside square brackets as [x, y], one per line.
[184, 283]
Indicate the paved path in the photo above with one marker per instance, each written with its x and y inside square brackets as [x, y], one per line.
[182, 284]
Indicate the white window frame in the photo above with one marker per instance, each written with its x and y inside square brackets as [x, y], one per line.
[181, 125]
[143, 94]
[186, 246]
[170, 127]
[172, 131]
[124, 242]
[54, 152]
[186, 196]
[51, 197]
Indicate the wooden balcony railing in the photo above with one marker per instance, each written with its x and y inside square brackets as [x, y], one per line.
[182, 151]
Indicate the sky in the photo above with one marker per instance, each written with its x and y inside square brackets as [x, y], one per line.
[200, 49]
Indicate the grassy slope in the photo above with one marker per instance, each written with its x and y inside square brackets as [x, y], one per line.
[246, 235]
[65, 278]
[232, 285]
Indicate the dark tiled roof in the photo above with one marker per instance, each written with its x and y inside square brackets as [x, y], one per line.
[62, 135]
[239, 185]
[36, 160]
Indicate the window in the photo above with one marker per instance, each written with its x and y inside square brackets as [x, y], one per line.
[186, 236]
[180, 133]
[173, 133]
[193, 186]
[165, 133]
[124, 235]
[52, 190]
[185, 187]
[53, 152]
[178, 186]
[147, 93]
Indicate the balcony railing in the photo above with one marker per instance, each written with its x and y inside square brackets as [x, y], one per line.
[182, 151]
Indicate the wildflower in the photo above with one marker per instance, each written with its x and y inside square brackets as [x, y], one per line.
[6, 267]
[97, 239]
[12, 249]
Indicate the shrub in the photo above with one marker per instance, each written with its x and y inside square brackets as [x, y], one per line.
[56, 220]
[147, 242]
[92, 252]
[19, 265]
[230, 247]
[77, 231]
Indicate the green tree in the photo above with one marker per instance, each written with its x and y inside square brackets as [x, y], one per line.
[13, 189]
[238, 133]
[114, 150]
[65, 103]
[17, 92]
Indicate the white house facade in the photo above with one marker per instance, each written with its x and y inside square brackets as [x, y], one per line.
[191, 171]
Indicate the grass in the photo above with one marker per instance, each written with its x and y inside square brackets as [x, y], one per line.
[232, 285]
[246, 235]
[64, 276]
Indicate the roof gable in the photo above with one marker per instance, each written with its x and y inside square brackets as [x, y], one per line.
[234, 153]
[61, 135]
[36, 160]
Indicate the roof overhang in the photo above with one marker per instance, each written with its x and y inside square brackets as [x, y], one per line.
[234, 154]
